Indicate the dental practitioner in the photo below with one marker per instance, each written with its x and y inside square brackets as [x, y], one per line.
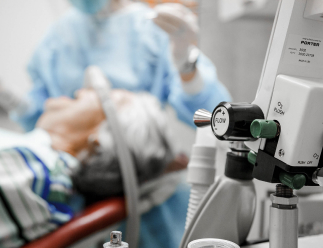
[138, 49]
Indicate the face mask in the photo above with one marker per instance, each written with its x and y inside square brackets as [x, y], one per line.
[89, 6]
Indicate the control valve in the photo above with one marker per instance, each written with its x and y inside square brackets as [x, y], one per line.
[230, 121]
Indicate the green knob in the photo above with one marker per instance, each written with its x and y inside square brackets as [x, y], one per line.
[294, 181]
[263, 129]
[252, 157]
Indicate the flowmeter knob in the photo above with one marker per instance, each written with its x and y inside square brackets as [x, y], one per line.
[252, 157]
[231, 121]
[264, 129]
[294, 181]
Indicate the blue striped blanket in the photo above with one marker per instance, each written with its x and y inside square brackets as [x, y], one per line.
[33, 194]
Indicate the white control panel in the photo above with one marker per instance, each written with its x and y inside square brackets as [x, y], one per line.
[297, 105]
[295, 49]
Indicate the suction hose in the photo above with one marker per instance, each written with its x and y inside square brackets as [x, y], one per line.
[201, 169]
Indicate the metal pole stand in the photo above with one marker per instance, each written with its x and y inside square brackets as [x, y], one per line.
[283, 232]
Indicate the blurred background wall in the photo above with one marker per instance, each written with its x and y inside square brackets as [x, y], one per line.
[22, 25]
[237, 45]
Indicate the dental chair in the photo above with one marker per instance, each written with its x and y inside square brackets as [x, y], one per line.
[93, 219]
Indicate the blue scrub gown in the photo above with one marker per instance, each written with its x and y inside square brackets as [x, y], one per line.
[133, 53]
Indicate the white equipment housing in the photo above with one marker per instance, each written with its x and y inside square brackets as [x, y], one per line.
[291, 84]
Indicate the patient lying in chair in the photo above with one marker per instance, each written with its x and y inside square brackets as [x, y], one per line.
[72, 147]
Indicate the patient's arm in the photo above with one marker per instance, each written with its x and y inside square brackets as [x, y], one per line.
[70, 122]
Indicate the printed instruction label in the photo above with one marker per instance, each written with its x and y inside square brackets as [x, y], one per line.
[279, 109]
[304, 51]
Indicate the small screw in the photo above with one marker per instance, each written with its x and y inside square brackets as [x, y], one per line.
[281, 153]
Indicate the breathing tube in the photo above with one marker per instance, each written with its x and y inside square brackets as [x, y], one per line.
[95, 79]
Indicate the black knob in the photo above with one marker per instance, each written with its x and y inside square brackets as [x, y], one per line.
[231, 121]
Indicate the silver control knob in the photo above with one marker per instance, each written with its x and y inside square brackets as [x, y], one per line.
[202, 118]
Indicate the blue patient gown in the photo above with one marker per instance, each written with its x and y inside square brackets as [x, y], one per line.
[133, 53]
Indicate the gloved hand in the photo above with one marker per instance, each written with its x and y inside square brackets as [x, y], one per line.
[181, 25]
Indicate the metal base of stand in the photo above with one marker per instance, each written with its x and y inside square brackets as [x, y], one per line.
[283, 218]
